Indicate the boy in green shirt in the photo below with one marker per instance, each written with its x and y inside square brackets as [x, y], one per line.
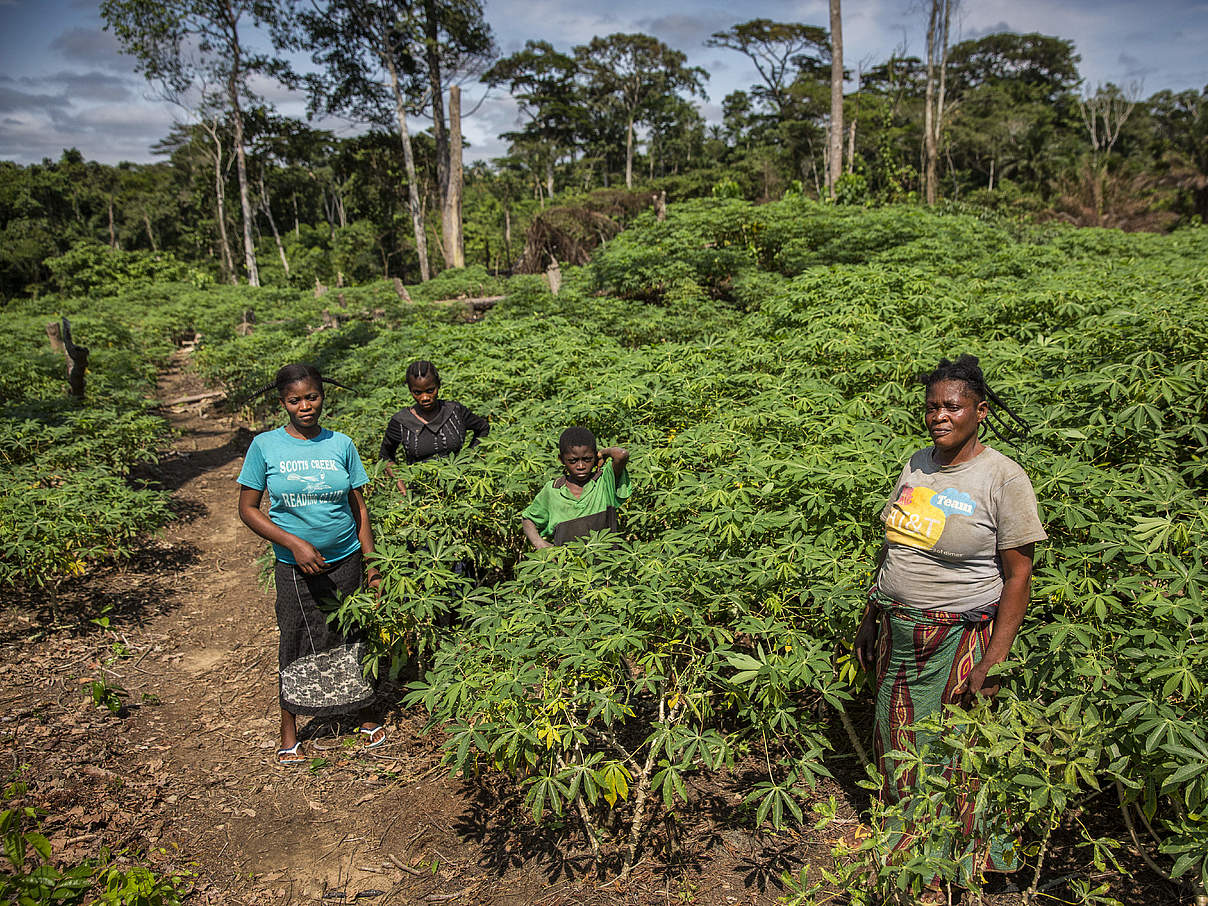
[583, 500]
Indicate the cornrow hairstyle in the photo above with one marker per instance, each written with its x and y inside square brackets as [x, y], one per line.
[576, 436]
[292, 374]
[966, 370]
[421, 369]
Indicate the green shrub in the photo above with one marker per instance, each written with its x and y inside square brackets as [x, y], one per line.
[94, 269]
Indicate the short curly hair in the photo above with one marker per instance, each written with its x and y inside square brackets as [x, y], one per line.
[576, 436]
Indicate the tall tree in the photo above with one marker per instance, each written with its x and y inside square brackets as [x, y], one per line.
[366, 51]
[200, 150]
[939, 21]
[789, 57]
[834, 158]
[1181, 122]
[632, 73]
[1014, 107]
[779, 51]
[1031, 66]
[543, 82]
[457, 46]
[197, 45]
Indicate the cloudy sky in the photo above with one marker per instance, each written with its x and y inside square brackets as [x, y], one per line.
[63, 82]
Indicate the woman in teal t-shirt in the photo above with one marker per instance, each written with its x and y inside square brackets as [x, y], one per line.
[319, 528]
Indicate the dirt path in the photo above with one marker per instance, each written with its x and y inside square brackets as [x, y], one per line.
[183, 776]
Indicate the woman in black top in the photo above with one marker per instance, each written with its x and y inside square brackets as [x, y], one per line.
[432, 427]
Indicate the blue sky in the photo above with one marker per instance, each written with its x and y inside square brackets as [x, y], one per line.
[63, 82]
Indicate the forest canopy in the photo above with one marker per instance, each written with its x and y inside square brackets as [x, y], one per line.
[241, 193]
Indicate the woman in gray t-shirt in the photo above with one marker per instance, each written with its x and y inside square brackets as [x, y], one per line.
[952, 587]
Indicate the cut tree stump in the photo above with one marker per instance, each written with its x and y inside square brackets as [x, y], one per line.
[248, 325]
[77, 360]
[55, 334]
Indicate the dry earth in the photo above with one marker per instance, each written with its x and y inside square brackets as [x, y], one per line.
[184, 778]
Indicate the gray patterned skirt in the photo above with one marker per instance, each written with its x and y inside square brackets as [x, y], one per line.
[320, 668]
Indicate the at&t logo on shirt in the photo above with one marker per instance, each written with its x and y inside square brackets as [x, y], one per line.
[917, 518]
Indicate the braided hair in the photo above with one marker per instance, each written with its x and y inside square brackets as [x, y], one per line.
[966, 370]
[292, 374]
[417, 371]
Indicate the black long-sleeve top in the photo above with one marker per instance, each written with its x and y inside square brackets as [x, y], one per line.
[444, 433]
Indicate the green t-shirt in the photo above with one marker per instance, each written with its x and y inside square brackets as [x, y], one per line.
[560, 516]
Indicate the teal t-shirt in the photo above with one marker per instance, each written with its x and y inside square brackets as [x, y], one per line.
[308, 483]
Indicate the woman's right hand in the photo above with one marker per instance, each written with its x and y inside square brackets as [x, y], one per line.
[865, 644]
[307, 556]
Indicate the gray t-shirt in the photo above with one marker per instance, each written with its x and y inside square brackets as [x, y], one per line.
[945, 525]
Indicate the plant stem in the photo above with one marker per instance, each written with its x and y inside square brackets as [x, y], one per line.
[1030, 893]
[853, 737]
[1132, 832]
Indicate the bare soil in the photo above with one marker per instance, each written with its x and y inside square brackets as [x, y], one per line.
[183, 777]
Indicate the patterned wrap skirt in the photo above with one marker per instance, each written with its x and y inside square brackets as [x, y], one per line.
[922, 658]
[321, 670]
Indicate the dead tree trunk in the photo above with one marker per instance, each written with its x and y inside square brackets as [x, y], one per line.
[938, 22]
[507, 235]
[55, 334]
[245, 198]
[228, 260]
[454, 243]
[268, 213]
[835, 152]
[77, 360]
[248, 325]
[413, 199]
[150, 234]
[628, 155]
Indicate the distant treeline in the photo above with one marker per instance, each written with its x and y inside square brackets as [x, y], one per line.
[243, 194]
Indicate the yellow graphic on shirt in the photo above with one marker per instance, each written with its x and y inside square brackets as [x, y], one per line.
[913, 520]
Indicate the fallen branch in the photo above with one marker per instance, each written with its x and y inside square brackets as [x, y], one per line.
[398, 863]
[195, 398]
[438, 897]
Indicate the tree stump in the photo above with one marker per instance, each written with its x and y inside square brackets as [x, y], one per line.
[554, 274]
[401, 290]
[249, 319]
[77, 361]
[660, 205]
[55, 334]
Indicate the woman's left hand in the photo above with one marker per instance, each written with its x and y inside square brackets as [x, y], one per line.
[975, 685]
[373, 578]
